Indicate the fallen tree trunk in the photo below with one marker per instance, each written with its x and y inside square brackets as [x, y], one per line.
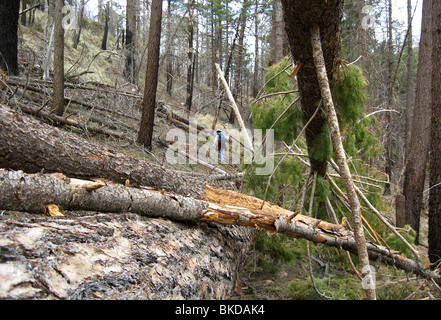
[89, 255]
[29, 145]
[34, 192]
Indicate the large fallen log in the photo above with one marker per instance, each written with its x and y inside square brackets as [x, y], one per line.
[91, 255]
[29, 145]
[124, 256]
[35, 192]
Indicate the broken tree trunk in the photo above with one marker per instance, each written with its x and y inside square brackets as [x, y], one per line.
[29, 145]
[90, 255]
[34, 192]
[340, 156]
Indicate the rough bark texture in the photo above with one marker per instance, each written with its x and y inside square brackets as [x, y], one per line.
[145, 134]
[340, 154]
[9, 10]
[130, 44]
[299, 17]
[92, 255]
[417, 155]
[106, 27]
[58, 98]
[277, 34]
[31, 146]
[190, 60]
[89, 255]
[38, 192]
[435, 149]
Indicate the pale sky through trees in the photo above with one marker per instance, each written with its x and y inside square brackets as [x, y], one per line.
[399, 12]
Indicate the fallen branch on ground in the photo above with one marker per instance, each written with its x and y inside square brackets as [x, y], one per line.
[34, 192]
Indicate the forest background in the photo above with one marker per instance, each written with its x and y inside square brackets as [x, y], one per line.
[242, 37]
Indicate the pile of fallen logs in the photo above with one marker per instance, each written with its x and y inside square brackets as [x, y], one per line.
[131, 186]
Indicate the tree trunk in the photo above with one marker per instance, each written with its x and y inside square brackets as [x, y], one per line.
[190, 59]
[239, 56]
[390, 87]
[299, 17]
[435, 150]
[130, 41]
[169, 66]
[409, 80]
[45, 193]
[77, 34]
[340, 155]
[28, 145]
[91, 255]
[9, 10]
[58, 94]
[256, 52]
[277, 51]
[417, 157]
[361, 32]
[23, 9]
[106, 26]
[248, 142]
[145, 134]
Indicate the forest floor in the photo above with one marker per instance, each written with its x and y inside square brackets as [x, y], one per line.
[275, 269]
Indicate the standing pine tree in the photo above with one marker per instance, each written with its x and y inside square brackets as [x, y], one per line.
[9, 10]
[435, 150]
[145, 133]
[58, 98]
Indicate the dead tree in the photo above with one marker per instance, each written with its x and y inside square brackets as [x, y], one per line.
[49, 193]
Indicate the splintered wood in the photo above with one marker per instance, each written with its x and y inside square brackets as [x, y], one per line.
[31, 193]
[233, 203]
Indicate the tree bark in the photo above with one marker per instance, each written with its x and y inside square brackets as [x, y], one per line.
[190, 59]
[277, 51]
[90, 255]
[256, 52]
[36, 193]
[390, 88]
[299, 17]
[340, 154]
[145, 134]
[58, 96]
[409, 80]
[239, 56]
[169, 65]
[77, 34]
[361, 33]
[23, 15]
[247, 139]
[417, 157]
[106, 26]
[28, 145]
[130, 41]
[9, 11]
[435, 150]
